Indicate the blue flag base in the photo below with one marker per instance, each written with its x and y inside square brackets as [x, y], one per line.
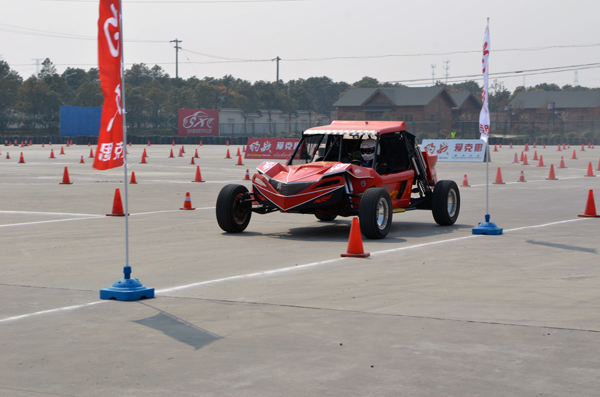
[487, 227]
[127, 289]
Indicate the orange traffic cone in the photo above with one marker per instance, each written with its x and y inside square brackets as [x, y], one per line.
[51, 154]
[192, 162]
[196, 154]
[590, 171]
[62, 150]
[564, 146]
[173, 142]
[541, 163]
[50, 143]
[582, 148]
[129, 144]
[525, 160]
[522, 156]
[200, 144]
[144, 158]
[89, 144]
[42, 144]
[22, 160]
[117, 209]
[133, 181]
[228, 156]
[7, 156]
[498, 178]
[227, 142]
[574, 157]
[598, 169]
[145, 153]
[355, 245]
[71, 142]
[247, 177]
[465, 182]
[180, 152]
[534, 145]
[66, 180]
[562, 162]
[187, 204]
[182, 149]
[22, 144]
[522, 177]
[589, 145]
[148, 142]
[526, 147]
[535, 157]
[67, 143]
[590, 207]
[558, 148]
[516, 160]
[91, 153]
[198, 176]
[81, 161]
[544, 146]
[240, 160]
[244, 148]
[238, 153]
[171, 155]
[511, 145]
[551, 176]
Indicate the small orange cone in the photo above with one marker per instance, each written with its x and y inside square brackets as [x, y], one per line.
[182, 149]
[81, 161]
[544, 146]
[192, 162]
[66, 180]
[198, 176]
[196, 154]
[522, 177]
[525, 160]
[240, 160]
[564, 146]
[535, 157]
[465, 182]
[50, 143]
[129, 144]
[590, 171]
[522, 156]
[180, 152]
[7, 156]
[562, 162]
[173, 142]
[541, 163]
[89, 144]
[598, 169]
[244, 148]
[117, 209]
[22, 144]
[145, 153]
[62, 150]
[498, 178]
[67, 143]
[227, 142]
[355, 245]
[247, 177]
[187, 204]
[511, 145]
[589, 145]
[582, 148]
[91, 153]
[526, 147]
[590, 207]
[238, 153]
[22, 160]
[558, 148]
[534, 145]
[551, 176]
[144, 158]
[51, 154]
[71, 142]
[574, 157]
[42, 144]
[171, 155]
[148, 142]
[133, 181]
[200, 144]
[228, 156]
[516, 160]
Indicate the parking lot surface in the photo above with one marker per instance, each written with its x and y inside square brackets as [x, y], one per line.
[275, 311]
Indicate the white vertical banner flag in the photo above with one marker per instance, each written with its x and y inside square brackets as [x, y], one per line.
[484, 116]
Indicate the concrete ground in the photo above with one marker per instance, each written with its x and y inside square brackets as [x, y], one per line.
[275, 311]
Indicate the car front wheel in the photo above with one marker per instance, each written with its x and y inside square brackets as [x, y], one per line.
[233, 214]
[375, 213]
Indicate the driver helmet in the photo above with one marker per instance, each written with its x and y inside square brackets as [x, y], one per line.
[367, 148]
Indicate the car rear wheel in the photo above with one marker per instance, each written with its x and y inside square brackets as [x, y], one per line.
[233, 215]
[445, 203]
[325, 217]
[375, 213]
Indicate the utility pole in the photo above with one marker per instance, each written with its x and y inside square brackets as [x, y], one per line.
[433, 74]
[277, 59]
[37, 65]
[576, 82]
[177, 48]
[447, 68]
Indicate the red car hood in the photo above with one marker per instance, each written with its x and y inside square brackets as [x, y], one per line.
[302, 173]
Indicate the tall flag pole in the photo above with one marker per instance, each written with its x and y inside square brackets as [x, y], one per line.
[486, 227]
[111, 151]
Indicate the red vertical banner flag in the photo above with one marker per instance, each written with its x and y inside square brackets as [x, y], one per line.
[484, 116]
[109, 153]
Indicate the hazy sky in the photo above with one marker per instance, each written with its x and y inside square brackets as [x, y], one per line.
[413, 34]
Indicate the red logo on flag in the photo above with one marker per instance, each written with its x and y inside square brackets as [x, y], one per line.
[109, 153]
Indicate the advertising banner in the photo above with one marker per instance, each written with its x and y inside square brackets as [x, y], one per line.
[270, 148]
[198, 122]
[456, 149]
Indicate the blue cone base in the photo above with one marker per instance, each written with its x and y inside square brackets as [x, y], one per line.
[487, 227]
[127, 290]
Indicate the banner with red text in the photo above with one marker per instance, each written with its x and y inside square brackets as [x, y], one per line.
[270, 148]
[198, 122]
[456, 149]
[109, 153]
[484, 115]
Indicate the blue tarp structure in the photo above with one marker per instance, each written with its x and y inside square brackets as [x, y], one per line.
[80, 121]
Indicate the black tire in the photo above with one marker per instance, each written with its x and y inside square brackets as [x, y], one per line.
[445, 203]
[233, 216]
[375, 213]
[325, 217]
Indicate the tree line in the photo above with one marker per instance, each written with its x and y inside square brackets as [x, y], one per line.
[153, 98]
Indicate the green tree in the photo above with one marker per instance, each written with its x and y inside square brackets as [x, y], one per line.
[366, 82]
[10, 81]
[39, 103]
[498, 96]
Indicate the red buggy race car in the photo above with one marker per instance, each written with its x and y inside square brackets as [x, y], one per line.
[369, 169]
